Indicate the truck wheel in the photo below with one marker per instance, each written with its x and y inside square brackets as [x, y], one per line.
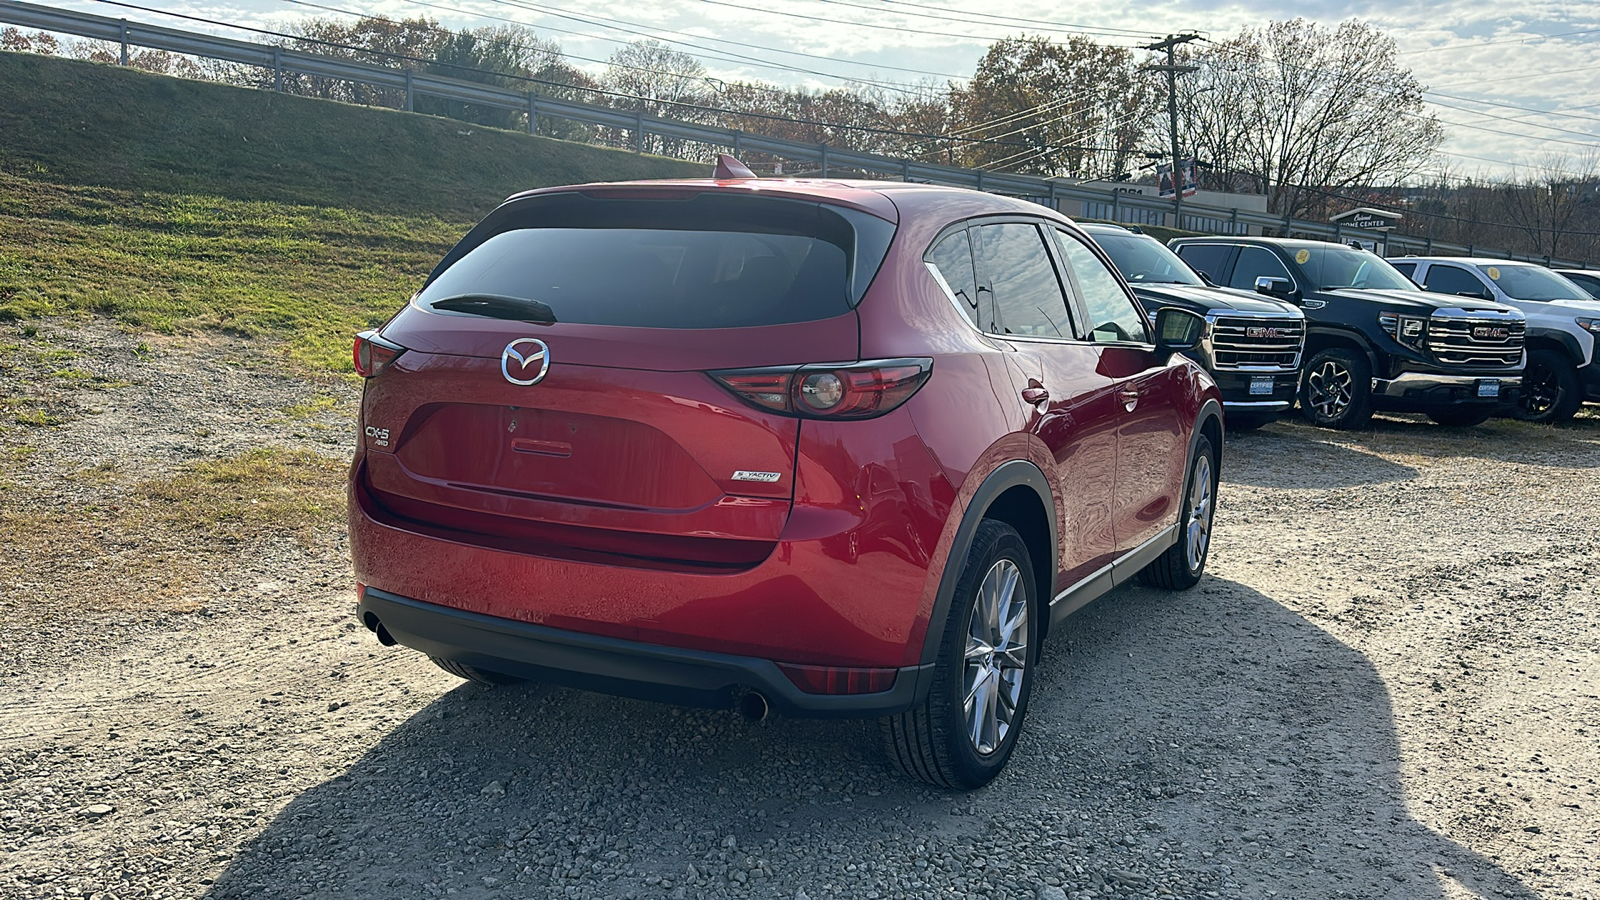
[1181, 566]
[1462, 416]
[473, 673]
[1336, 391]
[1550, 391]
[963, 733]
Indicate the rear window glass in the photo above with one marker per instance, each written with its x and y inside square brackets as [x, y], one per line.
[706, 261]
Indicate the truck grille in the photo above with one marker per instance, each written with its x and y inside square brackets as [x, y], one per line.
[1247, 343]
[1463, 342]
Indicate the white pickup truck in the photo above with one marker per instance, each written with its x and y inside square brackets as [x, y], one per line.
[1563, 325]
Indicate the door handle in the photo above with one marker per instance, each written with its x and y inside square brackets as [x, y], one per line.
[1035, 394]
[1129, 399]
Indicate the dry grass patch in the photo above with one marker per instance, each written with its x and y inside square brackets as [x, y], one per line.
[152, 545]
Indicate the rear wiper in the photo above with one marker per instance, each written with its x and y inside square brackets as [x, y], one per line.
[498, 306]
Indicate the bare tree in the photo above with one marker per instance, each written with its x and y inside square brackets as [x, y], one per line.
[659, 81]
[1548, 199]
[1296, 111]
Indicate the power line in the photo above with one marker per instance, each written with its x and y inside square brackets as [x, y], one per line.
[546, 82]
[612, 40]
[857, 24]
[1475, 44]
[1006, 21]
[639, 30]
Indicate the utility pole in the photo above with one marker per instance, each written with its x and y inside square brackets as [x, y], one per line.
[1173, 70]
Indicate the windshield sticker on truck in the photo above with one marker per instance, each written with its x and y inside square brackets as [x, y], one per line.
[1302, 257]
[1494, 273]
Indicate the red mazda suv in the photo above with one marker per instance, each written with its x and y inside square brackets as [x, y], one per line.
[828, 448]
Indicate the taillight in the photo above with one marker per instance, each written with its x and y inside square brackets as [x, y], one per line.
[372, 354]
[850, 391]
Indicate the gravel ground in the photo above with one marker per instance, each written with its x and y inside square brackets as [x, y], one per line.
[1385, 688]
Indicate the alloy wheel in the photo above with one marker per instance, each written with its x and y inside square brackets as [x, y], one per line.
[1198, 526]
[1541, 390]
[1330, 389]
[996, 658]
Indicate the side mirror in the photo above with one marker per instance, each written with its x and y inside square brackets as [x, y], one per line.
[1279, 288]
[1476, 295]
[1178, 330]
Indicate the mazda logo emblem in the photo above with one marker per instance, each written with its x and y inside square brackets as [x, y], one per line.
[522, 357]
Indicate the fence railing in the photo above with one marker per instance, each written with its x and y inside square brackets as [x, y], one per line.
[1049, 191]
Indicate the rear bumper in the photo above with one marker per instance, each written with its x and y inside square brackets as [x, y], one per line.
[1421, 391]
[615, 666]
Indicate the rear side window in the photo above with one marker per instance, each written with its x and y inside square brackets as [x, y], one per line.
[1027, 293]
[1207, 258]
[705, 261]
[951, 262]
[1408, 269]
[1453, 280]
[1254, 263]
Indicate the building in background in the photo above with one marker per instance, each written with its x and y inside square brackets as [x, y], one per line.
[1209, 212]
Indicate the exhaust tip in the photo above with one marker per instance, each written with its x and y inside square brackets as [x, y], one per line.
[376, 627]
[753, 706]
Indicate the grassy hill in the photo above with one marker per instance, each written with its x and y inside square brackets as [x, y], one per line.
[174, 205]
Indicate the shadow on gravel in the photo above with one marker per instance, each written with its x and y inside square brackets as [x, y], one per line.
[1207, 741]
[1283, 458]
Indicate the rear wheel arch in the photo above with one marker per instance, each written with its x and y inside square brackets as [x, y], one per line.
[1017, 493]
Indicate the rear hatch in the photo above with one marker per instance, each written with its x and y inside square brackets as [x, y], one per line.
[553, 397]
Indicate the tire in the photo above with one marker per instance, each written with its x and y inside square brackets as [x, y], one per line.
[475, 674]
[1461, 416]
[937, 741]
[1250, 421]
[1336, 390]
[1550, 391]
[1181, 566]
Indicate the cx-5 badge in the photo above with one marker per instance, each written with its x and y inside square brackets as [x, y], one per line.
[522, 356]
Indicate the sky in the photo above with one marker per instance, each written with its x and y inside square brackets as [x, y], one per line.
[1515, 82]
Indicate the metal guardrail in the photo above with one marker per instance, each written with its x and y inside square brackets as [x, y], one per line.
[1050, 191]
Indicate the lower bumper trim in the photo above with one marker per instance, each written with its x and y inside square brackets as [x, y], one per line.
[1409, 383]
[615, 666]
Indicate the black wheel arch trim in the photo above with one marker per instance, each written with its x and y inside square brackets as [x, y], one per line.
[1556, 336]
[1342, 337]
[1211, 409]
[1007, 475]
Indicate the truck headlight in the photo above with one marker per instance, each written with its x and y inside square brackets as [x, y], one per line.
[1408, 330]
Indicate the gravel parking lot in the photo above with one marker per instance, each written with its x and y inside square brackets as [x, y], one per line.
[1386, 687]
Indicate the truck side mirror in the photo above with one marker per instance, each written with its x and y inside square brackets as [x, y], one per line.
[1277, 288]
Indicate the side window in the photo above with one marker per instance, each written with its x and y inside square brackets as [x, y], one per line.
[1255, 262]
[951, 263]
[1453, 280]
[1207, 258]
[1407, 269]
[1112, 313]
[1027, 294]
